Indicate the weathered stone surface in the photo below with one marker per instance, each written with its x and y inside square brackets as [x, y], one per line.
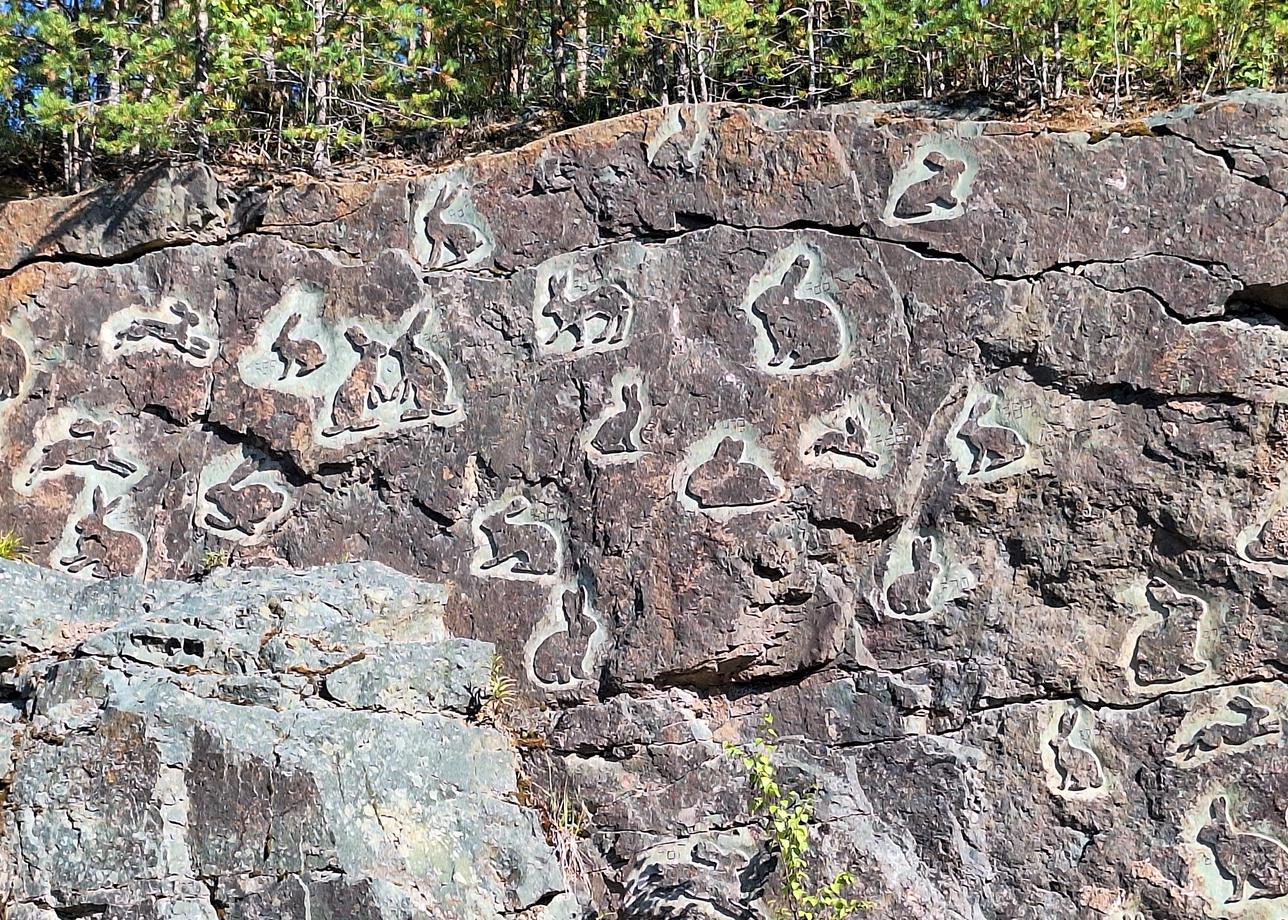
[958, 446]
[177, 751]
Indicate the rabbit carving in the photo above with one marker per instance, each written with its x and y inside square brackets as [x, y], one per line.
[13, 367]
[528, 544]
[176, 333]
[1165, 652]
[617, 434]
[935, 192]
[794, 324]
[450, 243]
[1079, 769]
[424, 385]
[558, 660]
[1223, 734]
[1256, 866]
[909, 594]
[101, 548]
[607, 307]
[725, 481]
[851, 440]
[360, 392]
[88, 443]
[242, 507]
[300, 357]
[991, 446]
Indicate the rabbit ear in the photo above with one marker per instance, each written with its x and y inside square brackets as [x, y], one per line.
[111, 506]
[97, 503]
[1218, 810]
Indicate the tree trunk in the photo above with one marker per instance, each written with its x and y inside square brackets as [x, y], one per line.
[201, 73]
[583, 49]
[320, 90]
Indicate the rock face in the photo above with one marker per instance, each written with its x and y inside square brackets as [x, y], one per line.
[256, 747]
[959, 447]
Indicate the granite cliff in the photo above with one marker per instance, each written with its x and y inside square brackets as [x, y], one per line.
[959, 447]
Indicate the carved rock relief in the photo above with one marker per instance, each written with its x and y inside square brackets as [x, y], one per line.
[365, 377]
[858, 436]
[680, 139]
[727, 473]
[933, 184]
[991, 437]
[565, 645]
[511, 541]
[173, 327]
[242, 497]
[17, 362]
[86, 443]
[1241, 866]
[797, 324]
[617, 434]
[1264, 542]
[101, 538]
[1073, 768]
[1229, 722]
[921, 577]
[1167, 646]
[447, 230]
[579, 310]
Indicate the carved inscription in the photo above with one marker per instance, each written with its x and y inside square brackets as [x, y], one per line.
[242, 497]
[173, 327]
[1251, 867]
[364, 377]
[921, 578]
[511, 541]
[617, 434]
[448, 230]
[932, 185]
[797, 325]
[679, 140]
[728, 473]
[857, 436]
[577, 314]
[1074, 769]
[1164, 647]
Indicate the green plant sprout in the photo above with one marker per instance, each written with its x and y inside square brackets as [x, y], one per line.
[12, 548]
[788, 816]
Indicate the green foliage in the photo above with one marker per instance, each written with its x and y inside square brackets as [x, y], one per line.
[500, 686]
[213, 559]
[12, 548]
[787, 815]
[294, 81]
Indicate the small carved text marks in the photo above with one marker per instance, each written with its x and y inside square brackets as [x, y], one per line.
[983, 443]
[448, 231]
[932, 185]
[174, 327]
[577, 313]
[1230, 721]
[920, 577]
[1164, 648]
[617, 435]
[1073, 768]
[679, 140]
[566, 642]
[364, 376]
[241, 497]
[798, 327]
[856, 436]
[510, 541]
[727, 473]
[1238, 867]
[103, 541]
